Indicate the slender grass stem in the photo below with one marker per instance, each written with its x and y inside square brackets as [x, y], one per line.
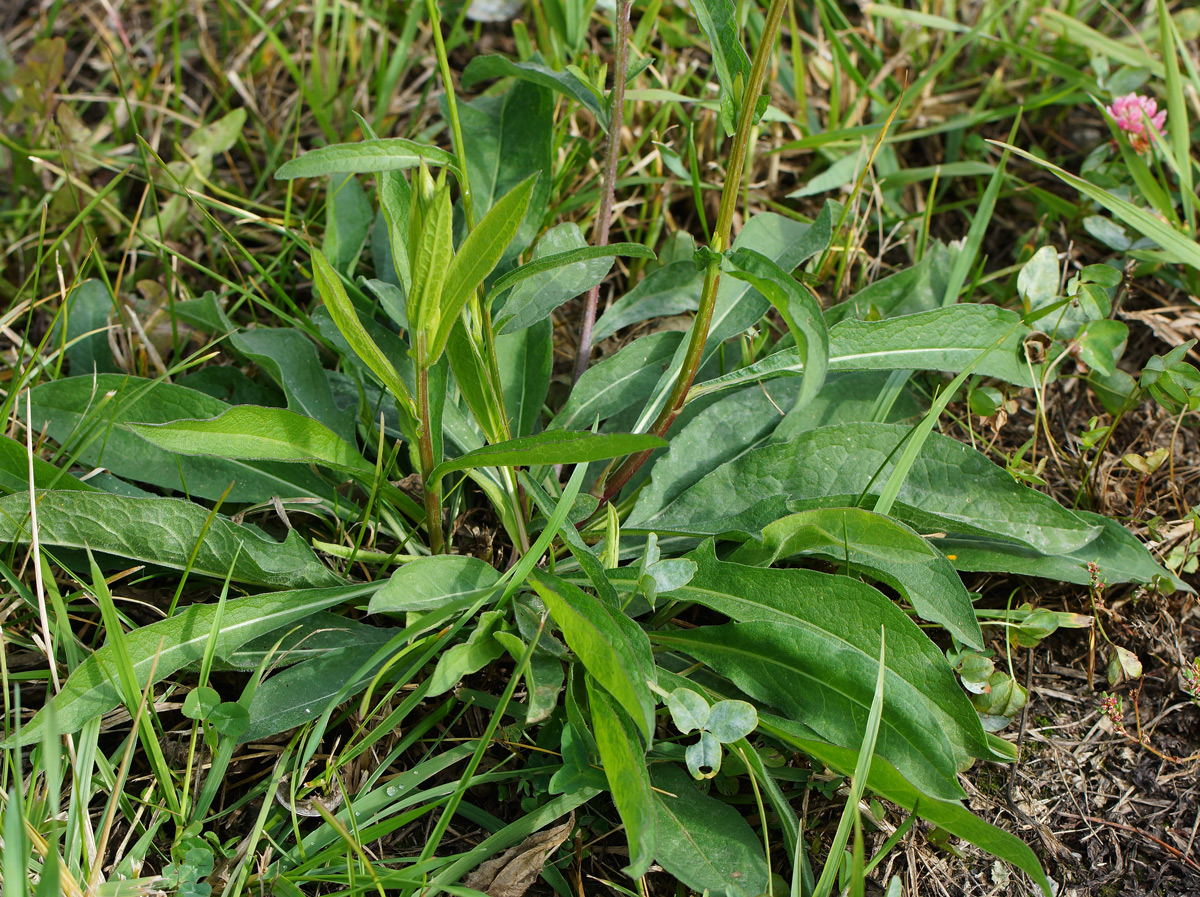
[433, 492]
[616, 122]
[720, 241]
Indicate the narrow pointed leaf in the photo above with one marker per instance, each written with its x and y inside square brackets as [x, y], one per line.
[552, 447]
[364, 157]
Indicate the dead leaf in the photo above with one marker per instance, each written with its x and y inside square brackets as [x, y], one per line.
[511, 873]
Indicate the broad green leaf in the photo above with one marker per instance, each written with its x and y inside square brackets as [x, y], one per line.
[843, 615]
[1178, 248]
[612, 648]
[525, 359]
[482, 68]
[297, 695]
[364, 157]
[75, 410]
[289, 358]
[619, 381]
[480, 252]
[950, 487]
[812, 674]
[256, 433]
[341, 311]
[550, 256]
[944, 339]
[730, 720]
[348, 217]
[889, 783]
[172, 644]
[915, 289]
[81, 331]
[670, 290]
[319, 634]
[885, 550]
[551, 447]
[165, 531]
[799, 311]
[563, 267]
[14, 471]
[511, 138]
[470, 656]
[433, 582]
[625, 767]
[704, 842]
[1118, 555]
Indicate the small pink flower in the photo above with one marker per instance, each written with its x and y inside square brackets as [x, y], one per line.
[1111, 706]
[1131, 113]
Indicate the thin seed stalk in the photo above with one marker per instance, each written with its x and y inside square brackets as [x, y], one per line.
[720, 241]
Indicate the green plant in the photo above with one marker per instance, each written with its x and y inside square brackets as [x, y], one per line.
[778, 504]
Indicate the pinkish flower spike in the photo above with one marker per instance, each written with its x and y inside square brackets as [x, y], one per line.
[1131, 113]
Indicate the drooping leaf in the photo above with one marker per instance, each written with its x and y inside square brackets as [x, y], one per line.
[433, 582]
[165, 531]
[799, 311]
[881, 547]
[364, 157]
[625, 767]
[171, 644]
[704, 842]
[568, 268]
[483, 68]
[951, 487]
[670, 290]
[256, 433]
[551, 447]
[75, 410]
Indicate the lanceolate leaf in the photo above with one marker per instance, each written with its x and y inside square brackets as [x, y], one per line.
[341, 311]
[91, 415]
[845, 614]
[612, 648]
[164, 531]
[951, 487]
[881, 547]
[478, 255]
[625, 768]
[944, 339]
[433, 582]
[799, 310]
[812, 675]
[552, 447]
[252, 432]
[364, 157]
[704, 842]
[718, 20]
[481, 68]
[171, 644]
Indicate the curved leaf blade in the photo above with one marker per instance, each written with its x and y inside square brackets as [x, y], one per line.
[364, 157]
[551, 447]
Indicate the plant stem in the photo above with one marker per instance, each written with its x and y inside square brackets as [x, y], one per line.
[433, 496]
[720, 241]
[435, 20]
[616, 122]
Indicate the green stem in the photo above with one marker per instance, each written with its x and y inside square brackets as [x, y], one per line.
[435, 21]
[720, 241]
[433, 492]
